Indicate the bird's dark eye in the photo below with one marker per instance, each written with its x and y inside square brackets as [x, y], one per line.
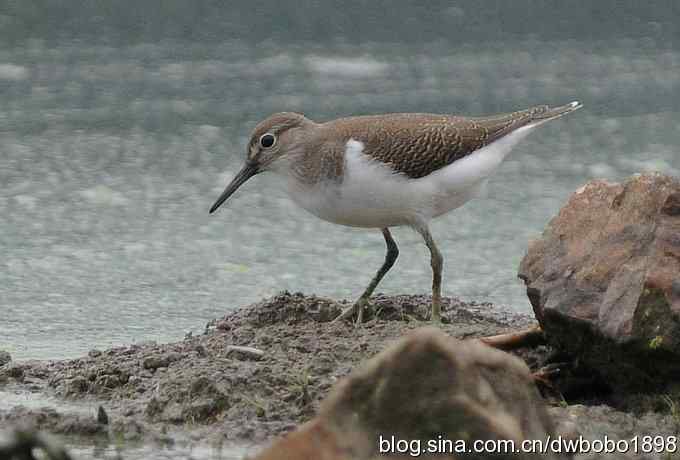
[267, 140]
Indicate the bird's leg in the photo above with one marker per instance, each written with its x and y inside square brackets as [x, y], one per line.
[437, 262]
[390, 258]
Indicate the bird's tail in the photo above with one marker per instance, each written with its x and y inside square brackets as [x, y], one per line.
[545, 113]
[527, 119]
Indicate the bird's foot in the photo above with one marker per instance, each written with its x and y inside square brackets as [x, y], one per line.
[349, 312]
[436, 315]
[545, 377]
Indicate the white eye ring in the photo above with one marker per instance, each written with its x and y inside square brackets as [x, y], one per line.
[267, 140]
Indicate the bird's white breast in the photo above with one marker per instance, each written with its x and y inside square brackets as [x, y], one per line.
[371, 194]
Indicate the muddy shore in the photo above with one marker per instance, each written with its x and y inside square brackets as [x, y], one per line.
[263, 369]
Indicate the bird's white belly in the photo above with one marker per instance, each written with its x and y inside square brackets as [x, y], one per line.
[371, 195]
[361, 205]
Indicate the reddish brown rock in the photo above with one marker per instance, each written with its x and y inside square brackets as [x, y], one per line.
[604, 279]
[427, 386]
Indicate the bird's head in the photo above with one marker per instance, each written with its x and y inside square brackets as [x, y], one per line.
[273, 142]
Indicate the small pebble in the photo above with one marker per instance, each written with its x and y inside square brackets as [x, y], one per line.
[102, 416]
[239, 352]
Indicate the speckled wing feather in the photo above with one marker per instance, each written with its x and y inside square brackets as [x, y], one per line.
[417, 144]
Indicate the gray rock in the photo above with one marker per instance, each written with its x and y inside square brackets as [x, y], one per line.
[5, 358]
[603, 280]
[161, 360]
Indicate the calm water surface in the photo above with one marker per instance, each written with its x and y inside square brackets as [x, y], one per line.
[111, 156]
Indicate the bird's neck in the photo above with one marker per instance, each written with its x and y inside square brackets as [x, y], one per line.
[310, 158]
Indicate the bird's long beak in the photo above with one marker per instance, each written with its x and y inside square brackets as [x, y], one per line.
[248, 171]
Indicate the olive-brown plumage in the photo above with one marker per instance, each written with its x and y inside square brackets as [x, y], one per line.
[417, 144]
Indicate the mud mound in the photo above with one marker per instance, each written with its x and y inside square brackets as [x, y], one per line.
[210, 382]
